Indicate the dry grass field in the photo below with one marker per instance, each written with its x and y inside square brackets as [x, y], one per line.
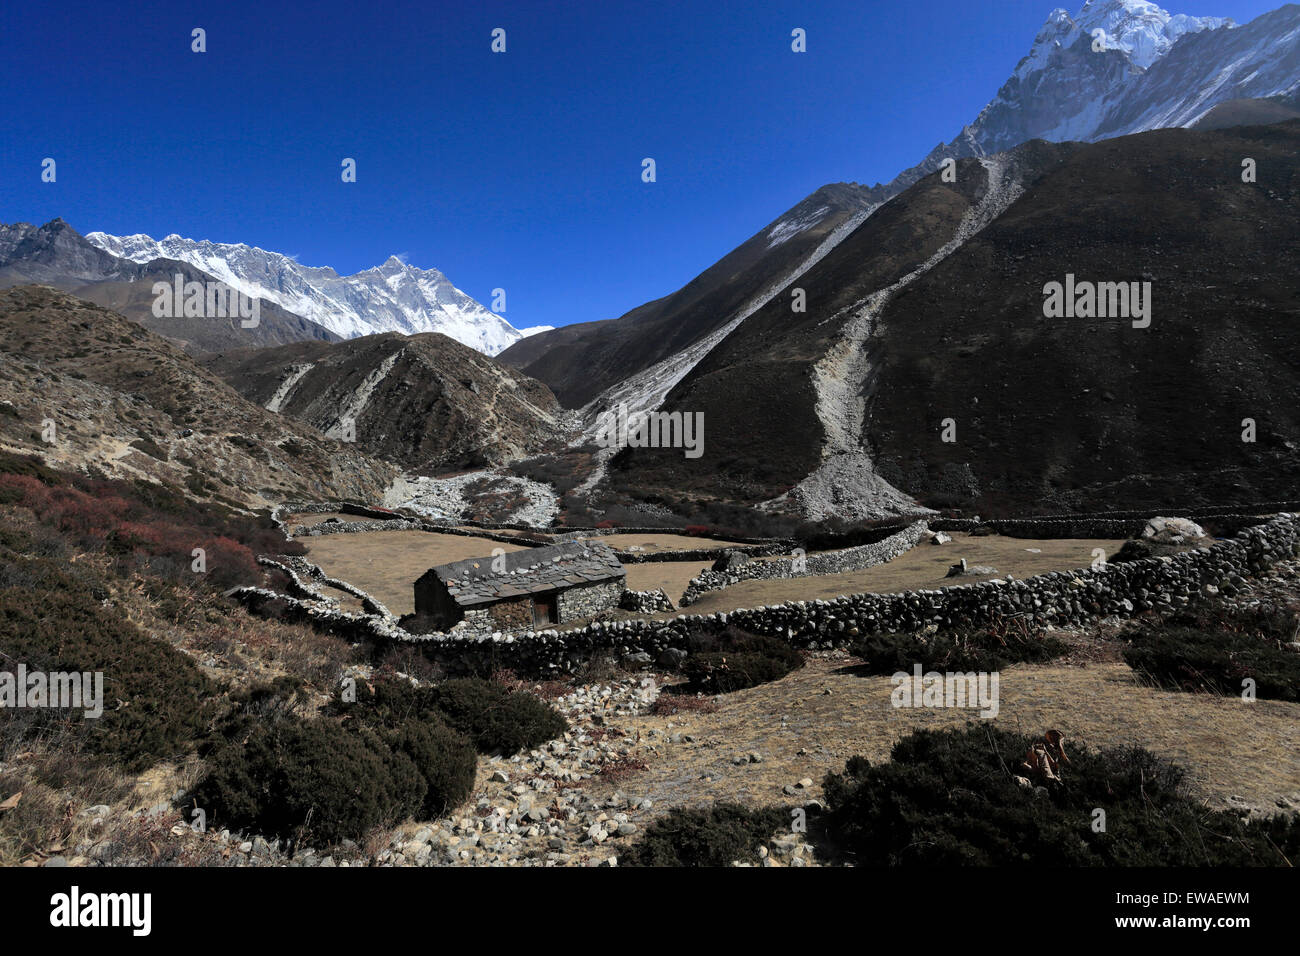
[813, 720]
[671, 576]
[652, 542]
[385, 564]
[925, 566]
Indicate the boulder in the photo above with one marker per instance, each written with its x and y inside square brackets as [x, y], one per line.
[730, 560]
[1172, 530]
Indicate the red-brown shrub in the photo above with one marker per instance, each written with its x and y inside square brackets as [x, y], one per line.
[153, 526]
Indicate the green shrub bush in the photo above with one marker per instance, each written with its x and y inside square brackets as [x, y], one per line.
[949, 798]
[315, 780]
[444, 759]
[722, 662]
[494, 718]
[962, 650]
[714, 837]
[414, 765]
[1214, 651]
[153, 696]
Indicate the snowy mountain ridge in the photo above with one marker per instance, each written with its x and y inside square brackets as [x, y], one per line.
[1138, 28]
[391, 297]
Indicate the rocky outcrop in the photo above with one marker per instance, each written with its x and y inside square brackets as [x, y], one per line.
[133, 405]
[646, 602]
[424, 401]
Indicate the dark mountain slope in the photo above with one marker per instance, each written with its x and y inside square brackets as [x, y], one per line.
[1093, 412]
[1049, 412]
[580, 361]
[756, 388]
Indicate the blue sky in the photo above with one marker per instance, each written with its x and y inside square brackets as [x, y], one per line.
[519, 170]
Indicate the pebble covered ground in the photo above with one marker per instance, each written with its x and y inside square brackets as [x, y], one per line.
[560, 805]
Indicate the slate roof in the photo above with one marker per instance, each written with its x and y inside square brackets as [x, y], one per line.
[472, 581]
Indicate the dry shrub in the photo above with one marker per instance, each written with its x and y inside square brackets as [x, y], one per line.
[616, 771]
[546, 690]
[669, 703]
[55, 784]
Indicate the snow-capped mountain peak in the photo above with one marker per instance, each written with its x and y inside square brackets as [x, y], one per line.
[1155, 69]
[391, 297]
[1140, 29]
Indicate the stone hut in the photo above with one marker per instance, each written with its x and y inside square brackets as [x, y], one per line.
[522, 590]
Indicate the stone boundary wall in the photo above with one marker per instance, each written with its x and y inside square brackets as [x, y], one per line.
[1059, 598]
[435, 528]
[646, 602]
[1048, 528]
[703, 554]
[827, 562]
[297, 568]
[1044, 526]
[1198, 511]
[567, 533]
[355, 527]
[321, 614]
[1086, 526]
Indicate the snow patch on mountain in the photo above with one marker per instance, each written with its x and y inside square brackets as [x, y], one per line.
[789, 228]
[1158, 70]
[1138, 28]
[392, 297]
